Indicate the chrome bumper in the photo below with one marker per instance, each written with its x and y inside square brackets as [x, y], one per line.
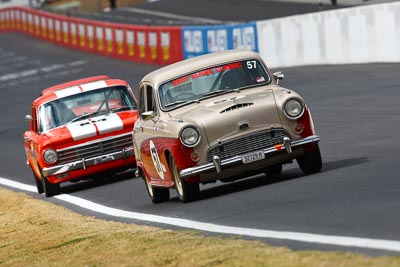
[84, 163]
[218, 164]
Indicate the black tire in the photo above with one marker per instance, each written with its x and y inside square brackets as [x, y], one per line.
[39, 185]
[187, 192]
[274, 170]
[156, 194]
[49, 188]
[311, 162]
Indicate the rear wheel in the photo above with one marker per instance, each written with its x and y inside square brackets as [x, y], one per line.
[311, 162]
[50, 189]
[156, 194]
[187, 192]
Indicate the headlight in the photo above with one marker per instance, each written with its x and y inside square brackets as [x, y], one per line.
[190, 136]
[50, 156]
[293, 108]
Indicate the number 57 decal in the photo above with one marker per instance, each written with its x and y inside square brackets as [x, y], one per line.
[251, 64]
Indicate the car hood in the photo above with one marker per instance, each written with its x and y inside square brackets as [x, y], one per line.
[229, 115]
[91, 129]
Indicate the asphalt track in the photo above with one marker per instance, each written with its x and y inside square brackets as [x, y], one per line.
[188, 12]
[355, 110]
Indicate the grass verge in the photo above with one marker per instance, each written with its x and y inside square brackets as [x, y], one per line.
[38, 233]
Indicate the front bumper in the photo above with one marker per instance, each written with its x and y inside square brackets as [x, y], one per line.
[218, 165]
[85, 163]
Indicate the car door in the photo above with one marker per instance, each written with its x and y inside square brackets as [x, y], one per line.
[145, 133]
[30, 142]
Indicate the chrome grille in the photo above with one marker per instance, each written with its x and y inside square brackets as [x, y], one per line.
[95, 149]
[247, 143]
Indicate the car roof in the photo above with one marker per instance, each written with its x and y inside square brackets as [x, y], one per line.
[74, 83]
[192, 64]
[75, 87]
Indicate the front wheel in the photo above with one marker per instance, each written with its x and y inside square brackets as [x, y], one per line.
[311, 162]
[156, 194]
[50, 189]
[39, 184]
[187, 192]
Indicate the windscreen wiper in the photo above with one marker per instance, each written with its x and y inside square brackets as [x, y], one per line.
[182, 102]
[122, 108]
[84, 115]
[221, 91]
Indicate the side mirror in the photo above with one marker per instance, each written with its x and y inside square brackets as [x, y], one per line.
[28, 118]
[148, 115]
[279, 75]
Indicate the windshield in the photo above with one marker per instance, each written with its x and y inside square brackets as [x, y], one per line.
[84, 105]
[215, 80]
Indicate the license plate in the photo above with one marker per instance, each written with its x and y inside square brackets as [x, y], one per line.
[104, 159]
[253, 156]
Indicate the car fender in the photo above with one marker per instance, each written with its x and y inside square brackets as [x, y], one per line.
[155, 154]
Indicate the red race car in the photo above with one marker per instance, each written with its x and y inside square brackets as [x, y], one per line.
[80, 129]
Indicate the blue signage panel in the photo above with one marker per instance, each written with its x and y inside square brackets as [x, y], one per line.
[199, 40]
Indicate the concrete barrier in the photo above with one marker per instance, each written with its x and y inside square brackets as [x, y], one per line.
[361, 34]
[345, 36]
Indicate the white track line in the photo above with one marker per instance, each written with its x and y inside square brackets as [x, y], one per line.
[367, 243]
[46, 69]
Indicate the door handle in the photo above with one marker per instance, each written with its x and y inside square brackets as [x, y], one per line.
[137, 129]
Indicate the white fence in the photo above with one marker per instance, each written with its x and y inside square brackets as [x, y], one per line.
[352, 35]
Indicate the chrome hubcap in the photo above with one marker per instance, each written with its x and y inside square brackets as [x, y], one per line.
[149, 187]
[178, 183]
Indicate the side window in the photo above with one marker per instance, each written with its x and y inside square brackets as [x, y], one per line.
[150, 99]
[142, 99]
[33, 124]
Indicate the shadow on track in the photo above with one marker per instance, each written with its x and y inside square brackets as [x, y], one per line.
[97, 181]
[263, 180]
[224, 188]
[339, 164]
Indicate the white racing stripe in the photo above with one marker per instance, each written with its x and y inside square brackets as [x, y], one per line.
[82, 129]
[95, 126]
[76, 89]
[94, 85]
[108, 123]
[366, 243]
[73, 90]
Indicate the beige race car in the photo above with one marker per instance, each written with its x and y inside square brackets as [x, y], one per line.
[220, 116]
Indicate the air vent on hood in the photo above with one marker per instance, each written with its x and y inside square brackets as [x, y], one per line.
[237, 106]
